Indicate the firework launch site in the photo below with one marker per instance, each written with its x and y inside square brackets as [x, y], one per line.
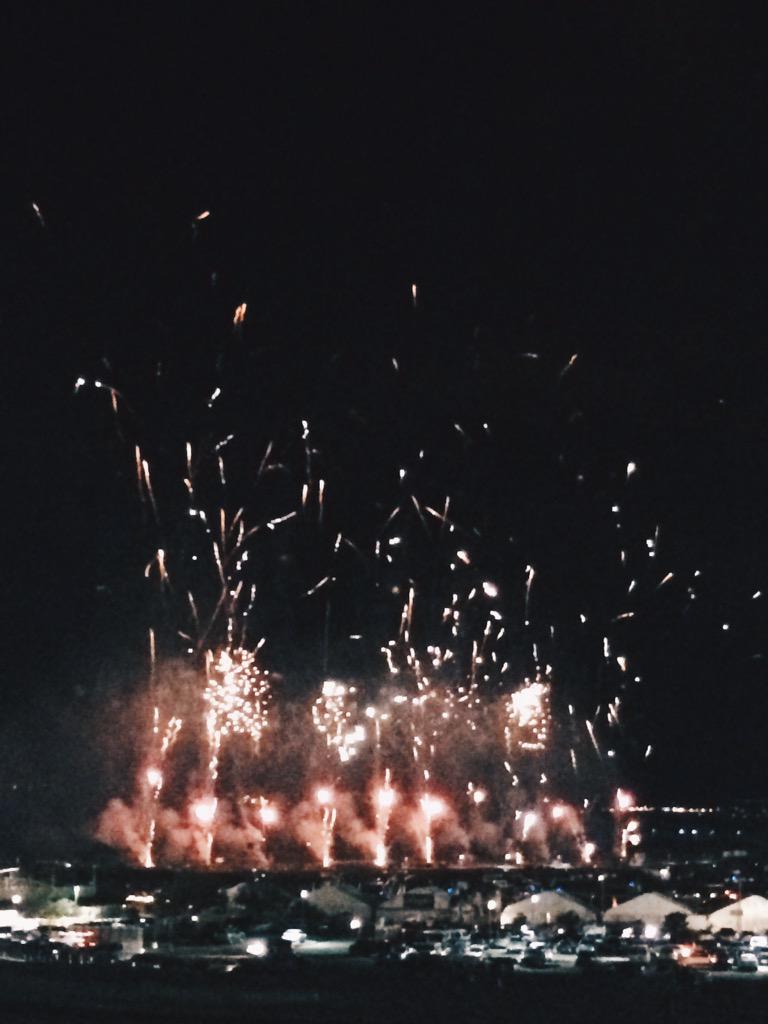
[633, 937]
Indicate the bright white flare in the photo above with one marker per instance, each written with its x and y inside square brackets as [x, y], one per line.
[205, 810]
[269, 814]
[528, 716]
[624, 800]
[386, 797]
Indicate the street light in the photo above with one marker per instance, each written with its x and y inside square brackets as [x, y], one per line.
[601, 880]
[492, 905]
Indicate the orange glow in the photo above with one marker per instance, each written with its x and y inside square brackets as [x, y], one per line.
[433, 806]
[269, 815]
[324, 796]
[386, 797]
[624, 800]
[205, 810]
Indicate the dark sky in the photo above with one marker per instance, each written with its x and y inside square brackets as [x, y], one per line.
[563, 179]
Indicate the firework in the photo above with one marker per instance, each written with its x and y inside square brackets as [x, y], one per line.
[268, 813]
[432, 807]
[333, 714]
[384, 800]
[528, 717]
[435, 723]
[530, 818]
[155, 777]
[237, 694]
[477, 796]
[326, 800]
[204, 810]
[627, 828]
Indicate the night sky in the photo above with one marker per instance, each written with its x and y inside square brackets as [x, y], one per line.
[569, 179]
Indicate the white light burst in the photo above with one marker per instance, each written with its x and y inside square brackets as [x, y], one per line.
[528, 716]
[237, 694]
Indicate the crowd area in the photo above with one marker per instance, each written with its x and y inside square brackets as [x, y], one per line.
[351, 945]
[561, 947]
[486, 922]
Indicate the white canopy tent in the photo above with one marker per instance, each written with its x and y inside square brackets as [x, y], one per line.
[747, 915]
[544, 908]
[651, 908]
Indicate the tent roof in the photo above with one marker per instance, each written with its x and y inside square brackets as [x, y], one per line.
[655, 904]
[744, 914]
[542, 903]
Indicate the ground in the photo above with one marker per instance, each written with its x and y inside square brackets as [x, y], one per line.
[357, 991]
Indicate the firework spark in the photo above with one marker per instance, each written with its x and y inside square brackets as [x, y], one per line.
[325, 797]
[529, 716]
[385, 798]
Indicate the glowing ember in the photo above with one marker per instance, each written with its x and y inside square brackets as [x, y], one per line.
[324, 796]
[205, 810]
[432, 807]
[384, 798]
[624, 800]
[529, 820]
[269, 814]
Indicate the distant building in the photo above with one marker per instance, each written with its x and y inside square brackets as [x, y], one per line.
[652, 908]
[260, 894]
[426, 905]
[335, 900]
[9, 916]
[544, 908]
[23, 889]
[747, 915]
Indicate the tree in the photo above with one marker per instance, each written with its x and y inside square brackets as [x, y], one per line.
[570, 922]
[518, 922]
[676, 926]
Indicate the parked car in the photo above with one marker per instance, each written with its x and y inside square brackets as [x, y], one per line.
[696, 957]
[564, 953]
[150, 961]
[535, 958]
[476, 950]
[720, 960]
[614, 955]
[502, 950]
[369, 947]
[745, 960]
